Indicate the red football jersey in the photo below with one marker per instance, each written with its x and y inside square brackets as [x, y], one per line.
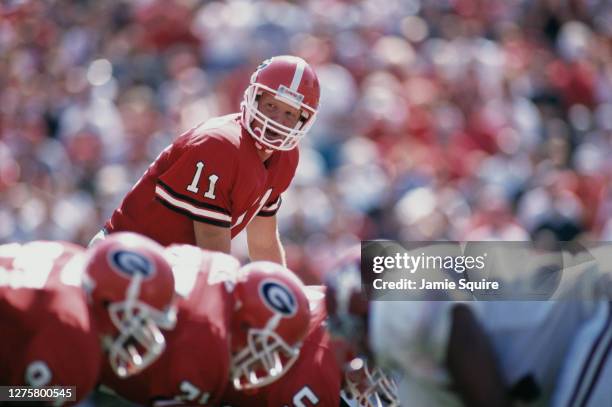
[194, 368]
[315, 378]
[46, 331]
[211, 174]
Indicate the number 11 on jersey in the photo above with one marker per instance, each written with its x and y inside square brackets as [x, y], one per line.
[212, 181]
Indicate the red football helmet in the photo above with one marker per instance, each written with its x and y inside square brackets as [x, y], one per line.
[270, 321]
[130, 287]
[290, 80]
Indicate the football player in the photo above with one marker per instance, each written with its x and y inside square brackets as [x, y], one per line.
[319, 377]
[62, 310]
[237, 326]
[300, 386]
[230, 171]
[555, 352]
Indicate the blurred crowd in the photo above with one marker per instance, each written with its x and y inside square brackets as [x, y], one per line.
[439, 119]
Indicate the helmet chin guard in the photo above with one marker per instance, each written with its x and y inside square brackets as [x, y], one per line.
[264, 360]
[140, 341]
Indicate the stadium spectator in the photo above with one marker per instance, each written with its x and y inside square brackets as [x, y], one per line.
[429, 109]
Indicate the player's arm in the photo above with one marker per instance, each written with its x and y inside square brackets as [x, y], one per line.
[212, 237]
[264, 241]
[198, 185]
[471, 361]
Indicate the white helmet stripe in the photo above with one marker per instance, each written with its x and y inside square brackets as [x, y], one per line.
[297, 75]
[133, 290]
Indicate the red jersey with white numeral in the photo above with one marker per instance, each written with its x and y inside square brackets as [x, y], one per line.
[45, 328]
[314, 380]
[211, 174]
[194, 368]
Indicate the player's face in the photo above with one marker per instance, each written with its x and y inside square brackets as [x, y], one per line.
[278, 111]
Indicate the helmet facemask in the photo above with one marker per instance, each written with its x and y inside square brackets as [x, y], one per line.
[270, 133]
[265, 358]
[369, 388]
[139, 341]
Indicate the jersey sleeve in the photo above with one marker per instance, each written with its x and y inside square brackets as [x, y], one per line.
[285, 170]
[271, 206]
[199, 183]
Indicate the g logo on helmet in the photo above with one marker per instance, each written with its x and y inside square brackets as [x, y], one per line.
[278, 298]
[131, 263]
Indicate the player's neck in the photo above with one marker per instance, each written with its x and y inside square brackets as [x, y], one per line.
[263, 155]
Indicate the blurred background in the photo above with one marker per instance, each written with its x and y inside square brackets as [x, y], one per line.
[439, 119]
